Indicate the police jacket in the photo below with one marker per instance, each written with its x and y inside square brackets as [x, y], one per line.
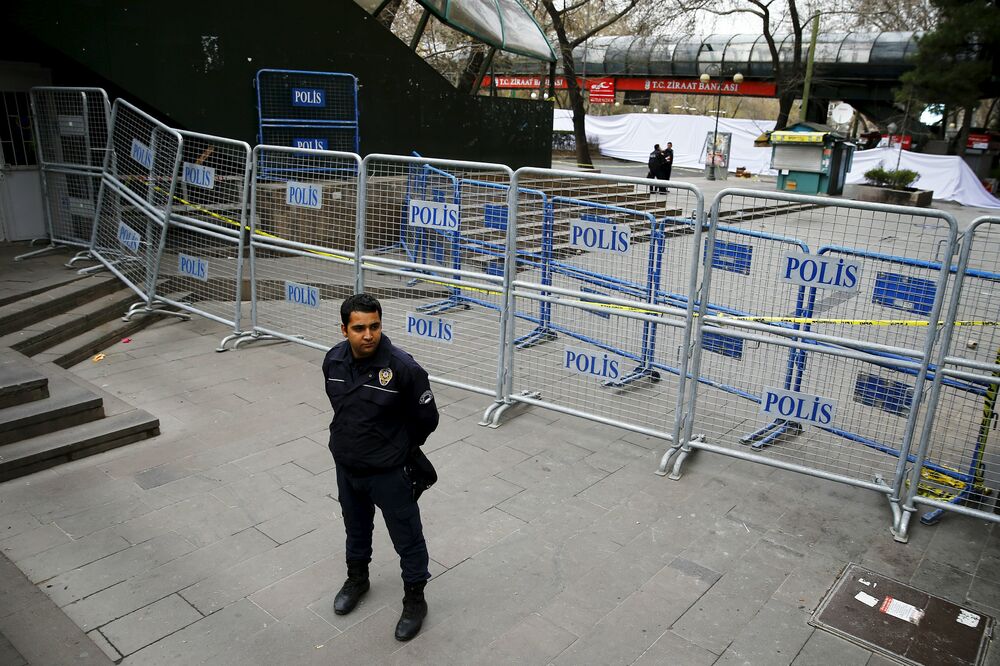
[382, 406]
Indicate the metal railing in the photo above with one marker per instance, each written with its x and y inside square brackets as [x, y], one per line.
[71, 138]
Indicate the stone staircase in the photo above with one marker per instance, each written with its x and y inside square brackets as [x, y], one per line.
[70, 322]
[50, 320]
[49, 416]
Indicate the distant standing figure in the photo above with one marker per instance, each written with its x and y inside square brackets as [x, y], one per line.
[668, 162]
[655, 165]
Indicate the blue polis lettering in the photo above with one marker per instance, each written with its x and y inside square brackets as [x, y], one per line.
[431, 328]
[193, 266]
[438, 216]
[142, 154]
[586, 363]
[304, 195]
[820, 272]
[317, 144]
[798, 406]
[199, 175]
[308, 97]
[302, 294]
[128, 237]
[607, 238]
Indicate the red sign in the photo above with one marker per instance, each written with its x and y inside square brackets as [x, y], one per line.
[696, 87]
[602, 91]
[896, 139]
[651, 84]
[524, 82]
[978, 141]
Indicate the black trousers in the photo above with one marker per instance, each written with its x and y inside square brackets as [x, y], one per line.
[392, 493]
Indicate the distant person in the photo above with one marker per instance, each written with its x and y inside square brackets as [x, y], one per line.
[655, 164]
[668, 162]
[383, 410]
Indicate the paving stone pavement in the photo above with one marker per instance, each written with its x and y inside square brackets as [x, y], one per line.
[552, 541]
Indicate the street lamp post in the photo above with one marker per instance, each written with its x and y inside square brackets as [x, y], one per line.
[712, 174]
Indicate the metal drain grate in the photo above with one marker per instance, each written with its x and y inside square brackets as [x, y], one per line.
[902, 622]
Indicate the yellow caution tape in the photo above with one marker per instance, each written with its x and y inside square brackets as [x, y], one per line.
[758, 320]
[854, 322]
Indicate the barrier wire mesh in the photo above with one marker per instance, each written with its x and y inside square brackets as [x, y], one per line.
[135, 196]
[959, 460]
[304, 208]
[595, 334]
[202, 264]
[867, 278]
[433, 253]
[71, 126]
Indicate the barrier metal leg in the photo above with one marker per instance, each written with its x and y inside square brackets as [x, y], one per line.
[229, 338]
[82, 255]
[639, 373]
[154, 307]
[500, 409]
[901, 530]
[37, 253]
[444, 305]
[898, 520]
[679, 452]
[254, 336]
[488, 414]
[768, 434]
[539, 336]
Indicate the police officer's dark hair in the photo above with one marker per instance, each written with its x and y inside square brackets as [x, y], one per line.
[359, 303]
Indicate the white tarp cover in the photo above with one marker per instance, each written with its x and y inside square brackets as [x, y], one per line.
[948, 175]
[631, 137]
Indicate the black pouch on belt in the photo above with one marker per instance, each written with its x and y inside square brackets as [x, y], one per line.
[421, 472]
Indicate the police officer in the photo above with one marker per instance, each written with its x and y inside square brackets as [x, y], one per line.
[655, 164]
[668, 162]
[382, 409]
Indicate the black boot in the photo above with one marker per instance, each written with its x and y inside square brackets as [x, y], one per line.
[414, 611]
[354, 588]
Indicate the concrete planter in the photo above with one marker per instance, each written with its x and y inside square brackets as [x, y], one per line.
[908, 197]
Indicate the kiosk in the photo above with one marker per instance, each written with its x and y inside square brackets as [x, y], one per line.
[811, 158]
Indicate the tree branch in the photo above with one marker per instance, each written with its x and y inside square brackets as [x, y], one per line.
[587, 35]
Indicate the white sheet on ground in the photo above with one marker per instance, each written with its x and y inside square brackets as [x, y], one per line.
[631, 136]
[948, 175]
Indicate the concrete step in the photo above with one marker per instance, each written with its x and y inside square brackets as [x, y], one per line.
[60, 328]
[20, 383]
[67, 405]
[24, 312]
[44, 451]
[38, 284]
[85, 345]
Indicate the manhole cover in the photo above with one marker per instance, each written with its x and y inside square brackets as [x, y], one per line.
[902, 622]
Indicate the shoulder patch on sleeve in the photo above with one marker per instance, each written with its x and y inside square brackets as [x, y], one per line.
[426, 397]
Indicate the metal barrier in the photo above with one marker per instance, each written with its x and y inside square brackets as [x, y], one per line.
[135, 199]
[856, 320]
[301, 109]
[957, 459]
[431, 247]
[71, 135]
[623, 358]
[303, 208]
[201, 268]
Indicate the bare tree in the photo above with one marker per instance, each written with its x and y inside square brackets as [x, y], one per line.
[777, 19]
[562, 23]
[891, 15]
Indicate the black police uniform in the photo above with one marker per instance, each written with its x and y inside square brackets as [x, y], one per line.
[383, 407]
